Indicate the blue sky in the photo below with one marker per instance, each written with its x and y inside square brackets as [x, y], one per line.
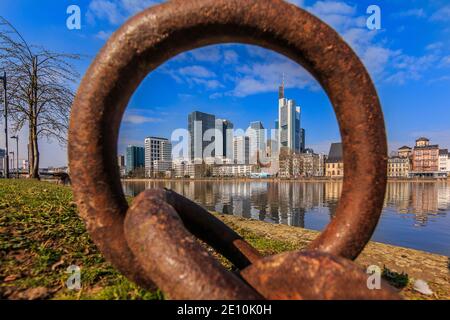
[408, 59]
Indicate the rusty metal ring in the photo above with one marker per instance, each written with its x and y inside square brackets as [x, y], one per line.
[161, 32]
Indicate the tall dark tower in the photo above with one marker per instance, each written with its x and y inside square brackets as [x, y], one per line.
[281, 90]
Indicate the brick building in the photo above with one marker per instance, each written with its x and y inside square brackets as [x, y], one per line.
[425, 159]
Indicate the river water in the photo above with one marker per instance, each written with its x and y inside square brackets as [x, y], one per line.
[415, 215]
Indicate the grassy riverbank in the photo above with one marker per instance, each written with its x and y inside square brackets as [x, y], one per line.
[41, 235]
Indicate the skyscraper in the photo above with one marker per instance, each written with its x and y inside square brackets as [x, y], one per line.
[135, 158]
[200, 123]
[121, 161]
[157, 151]
[303, 140]
[256, 134]
[224, 139]
[289, 132]
[241, 149]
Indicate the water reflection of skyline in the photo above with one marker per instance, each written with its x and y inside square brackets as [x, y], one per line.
[423, 200]
[415, 214]
[288, 202]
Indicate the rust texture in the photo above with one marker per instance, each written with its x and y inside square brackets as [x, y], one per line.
[179, 265]
[208, 228]
[158, 34]
[311, 275]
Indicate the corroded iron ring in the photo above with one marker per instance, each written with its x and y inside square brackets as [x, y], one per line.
[161, 32]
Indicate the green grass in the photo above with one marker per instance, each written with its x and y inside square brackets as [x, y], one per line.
[397, 280]
[41, 235]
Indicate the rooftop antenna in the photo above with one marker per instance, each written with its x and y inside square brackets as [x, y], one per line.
[281, 89]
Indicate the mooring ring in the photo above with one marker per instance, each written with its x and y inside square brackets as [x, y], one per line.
[163, 31]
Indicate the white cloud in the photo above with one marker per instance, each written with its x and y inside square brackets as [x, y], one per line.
[105, 10]
[116, 11]
[434, 46]
[230, 56]
[196, 71]
[139, 119]
[207, 54]
[439, 79]
[410, 68]
[216, 95]
[332, 7]
[209, 84]
[264, 77]
[445, 61]
[376, 58]
[194, 75]
[103, 35]
[443, 14]
[418, 13]
[298, 3]
[384, 63]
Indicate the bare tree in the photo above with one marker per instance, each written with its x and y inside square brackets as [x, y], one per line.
[40, 89]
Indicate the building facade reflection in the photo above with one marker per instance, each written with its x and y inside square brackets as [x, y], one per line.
[287, 202]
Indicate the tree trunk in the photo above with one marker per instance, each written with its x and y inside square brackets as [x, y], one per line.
[30, 150]
[34, 123]
[35, 151]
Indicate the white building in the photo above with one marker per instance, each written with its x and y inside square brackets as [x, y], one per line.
[241, 151]
[289, 130]
[257, 138]
[448, 166]
[157, 149]
[161, 167]
[444, 160]
[179, 167]
[232, 170]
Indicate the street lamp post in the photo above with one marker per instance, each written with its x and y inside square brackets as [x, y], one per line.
[6, 127]
[17, 154]
[12, 160]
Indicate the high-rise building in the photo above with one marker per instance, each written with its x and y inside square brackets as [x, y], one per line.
[224, 139]
[121, 164]
[303, 140]
[241, 151]
[257, 137]
[200, 123]
[121, 160]
[289, 131]
[158, 155]
[135, 158]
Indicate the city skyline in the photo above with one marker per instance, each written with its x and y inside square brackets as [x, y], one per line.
[208, 134]
[237, 81]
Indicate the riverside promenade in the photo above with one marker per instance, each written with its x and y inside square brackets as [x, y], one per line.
[41, 236]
